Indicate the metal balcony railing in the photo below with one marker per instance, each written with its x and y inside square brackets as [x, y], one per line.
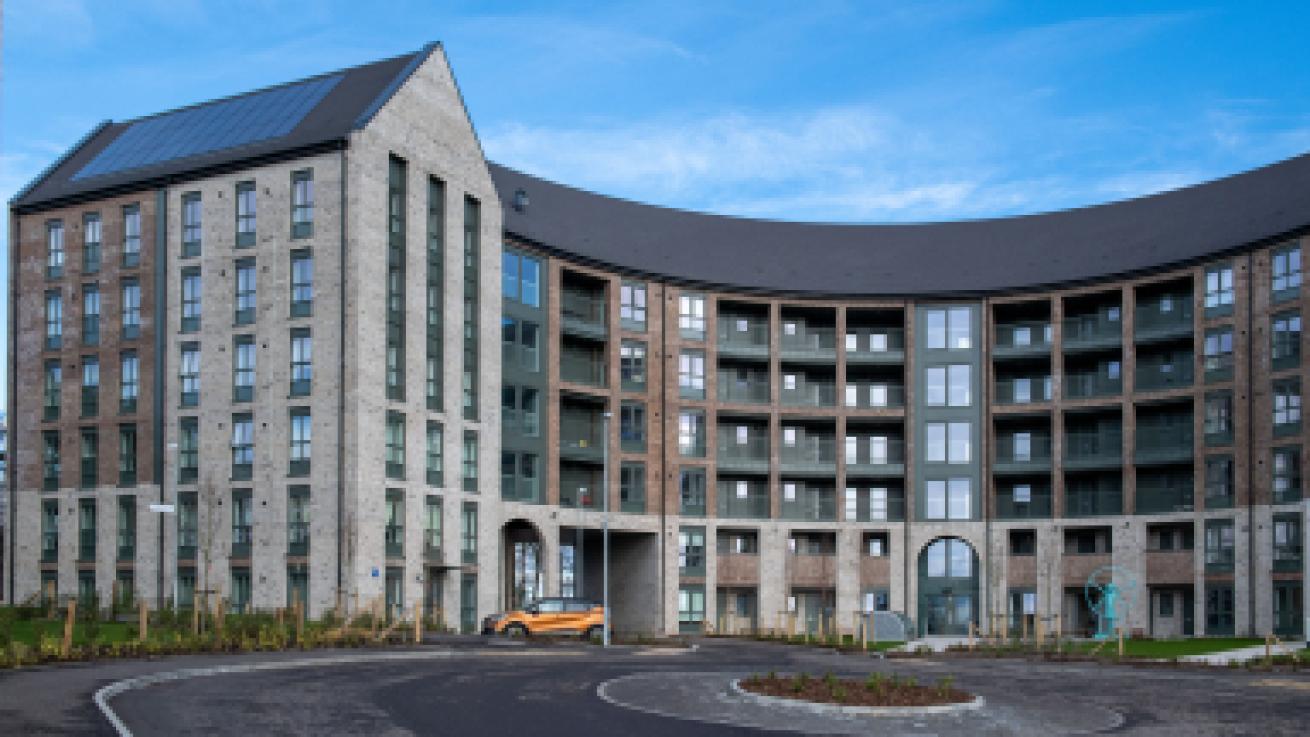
[1155, 375]
[1162, 498]
[1091, 385]
[812, 505]
[1087, 450]
[1014, 456]
[810, 455]
[875, 345]
[810, 394]
[1024, 390]
[1038, 505]
[732, 391]
[874, 395]
[755, 505]
[751, 456]
[752, 342]
[1022, 339]
[1092, 332]
[809, 343]
[1164, 442]
[1153, 323]
[582, 313]
[1101, 502]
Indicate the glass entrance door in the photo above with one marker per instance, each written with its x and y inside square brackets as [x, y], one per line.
[947, 614]
[1287, 608]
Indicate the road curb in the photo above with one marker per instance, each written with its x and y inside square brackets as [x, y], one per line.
[876, 711]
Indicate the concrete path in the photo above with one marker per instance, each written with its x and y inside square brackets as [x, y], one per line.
[937, 644]
[1242, 654]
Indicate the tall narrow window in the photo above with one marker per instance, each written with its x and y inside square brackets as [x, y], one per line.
[50, 465]
[395, 351]
[632, 365]
[470, 461]
[1286, 349]
[132, 236]
[131, 309]
[90, 386]
[298, 520]
[90, 314]
[302, 283]
[1286, 271]
[1219, 290]
[243, 446]
[189, 375]
[691, 434]
[632, 426]
[1287, 406]
[472, 250]
[1287, 475]
[191, 227]
[52, 389]
[434, 391]
[632, 305]
[435, 453]
[91, 243]
[691, 374]
[54, 238]
[243, 368]
[691, 316]
[395, 445]
[432, 527]
[302, 203]
[245, 298]
[245, 214]
[959, 387]
[126, 528]
[188, 450]
[301, 434]
[54, 320]
[127, 455]
[302, 361]
[90, 475]
[129, 382]
[191, 299]
[469, 533]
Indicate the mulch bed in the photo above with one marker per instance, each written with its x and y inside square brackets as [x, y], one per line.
[877, 690]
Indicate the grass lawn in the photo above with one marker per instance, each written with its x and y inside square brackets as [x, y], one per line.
[110, 632]
[1168, 648]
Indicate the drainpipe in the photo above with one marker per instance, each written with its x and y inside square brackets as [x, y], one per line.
[11, 402]
[1250, 456]
[341, 378]
[161, 359]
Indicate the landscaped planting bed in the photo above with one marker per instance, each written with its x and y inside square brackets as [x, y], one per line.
[876, 690]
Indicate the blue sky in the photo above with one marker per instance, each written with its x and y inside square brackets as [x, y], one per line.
[850, 111]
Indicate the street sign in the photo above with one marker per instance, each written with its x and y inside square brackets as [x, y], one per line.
[375, 572]
[162, 508]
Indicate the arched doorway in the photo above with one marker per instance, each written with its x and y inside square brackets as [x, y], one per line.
[948, 587]
[523, 562]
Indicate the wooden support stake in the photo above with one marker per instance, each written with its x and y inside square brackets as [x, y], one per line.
[1058, 632]
[1269, 648]
[1024, 627]
[143, 621]
[66, 648]
[418, 625]
[1041, 633]
[220, 617]
[195, 618]
[377, 613]
[1121, 641]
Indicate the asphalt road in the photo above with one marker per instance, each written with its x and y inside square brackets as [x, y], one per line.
[525, 690]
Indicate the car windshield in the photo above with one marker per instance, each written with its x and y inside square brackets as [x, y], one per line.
[550, 605]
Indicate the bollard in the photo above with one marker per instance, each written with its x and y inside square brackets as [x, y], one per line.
[66, 648]
[418, 625]
[143, 621]
[1121, 641]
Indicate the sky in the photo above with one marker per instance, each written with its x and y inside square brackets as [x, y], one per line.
[838, 111]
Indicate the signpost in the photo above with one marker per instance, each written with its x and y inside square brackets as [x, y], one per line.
[605, 526]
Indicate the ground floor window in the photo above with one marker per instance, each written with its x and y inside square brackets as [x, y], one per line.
[86, 590]
[240, 591]
[468, 603]
[395, 592]
[567, 570]
[1023, 606]
[1288, 614]
[876, 600]
[186, 588]
[125, 589]
[1219, 618]
[691, 608]
[298, 586]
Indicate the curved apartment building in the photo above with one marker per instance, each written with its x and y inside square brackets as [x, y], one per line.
[781, 424]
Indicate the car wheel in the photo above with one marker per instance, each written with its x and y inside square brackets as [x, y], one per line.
[516, 631]
[595, 632]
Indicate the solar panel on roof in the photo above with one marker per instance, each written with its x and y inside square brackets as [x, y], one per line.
[213, 127]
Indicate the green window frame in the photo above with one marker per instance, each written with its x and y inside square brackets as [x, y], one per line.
[52, 389]
[91, 243]
[1285, 340]
[394, 537]
[246, 212]
[86, 530]
[469, 466]
[189, 375]
[127, 454]
[191, 297]
[49, 531]
[54, 320]
[50, 464]
[90, 386]
[90, 458]
[188, 450]
[396, 247]
[302, 283]
[1285, 268]
[1287, 406]
[435, 470]
[243, 446]
[243, 522]
[247, 301]
[432, 528]
[691, 551]
[300, 439]
[244, 358]
[632, 487]
[302, 203]
[129, 382]
[691, 492]
[1287, 475]
[188, 525]
[472, 256]
[298, 531]
[434, 387]
[131, 307]
[131, 236]
[469, 533]
[302, 362]
[54, 236]
[192, 230]
[90, 314]
[395, 445]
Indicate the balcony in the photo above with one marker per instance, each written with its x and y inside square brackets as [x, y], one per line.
[1093, 332]
[875, 346]
[1024, 390]
[580, 442]
[808, 343]
[1038, 505]
[812, 456]
[1016, 457]
[1163, 444]
[871, 507]
[1157, 324]
[1022, 339]
[1092, 450]
[889, 463]
[582, 367]
[737, 569]
[1093, 503]
[755, 505]
[733, 390]
[810, 394]
[579, 486]
[583, 313]
[874, 395]
[1161, 374]
[1091, 385]
[749, 457]
[811, 505]
[1164, 497]
[740, 337]
[812, 571]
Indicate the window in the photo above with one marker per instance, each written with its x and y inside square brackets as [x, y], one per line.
[129, 382]
[301, 436]
[691, 316]
[302, 283]
[469, 532]
[521, 277]
[530, 406]
[632, 305]
[191, 299]
[131, 236]
[91, 243]
[632, 487]
[395, 445]
[1286, 349]
[188, 450]
[632, 426]
[52, 389]
[131, 309]
[691, 374]
[691, 551]
[86, 537]
[691, 434]
[1219, 418]
[243, 446]
[935, 442]
[959, 442]
[245, 300]
[950, 328]
[1286, 271]
[188, 526]
[90, 386]
[472, 249]
[243, 368]
[394, 534]
[90, 314]
[632, 365]
[470, 461]
[958, 385]
[1287, 475]
[54, 238]
[242, 523]
[1219, 353]
[434, 469]
[302, 203]
[191, 226]
[240, 602]
[935, 386]
[189, 375]
[1287, 405]
[1219, 289]
[54, 320]
[50, 459]
[1218, 482]
[126, 528]
[1022, 493]
[90, 458]
[949, 558]
[875, 545]
[934, 500]
[245, 214]
[302, 361]
[127, 455]
[691, 492]
[432, 526]
[1219, 545]
[948, 499]
[691, 608]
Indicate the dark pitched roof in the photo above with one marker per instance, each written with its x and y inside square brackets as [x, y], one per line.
[963, 257]
[218, 134]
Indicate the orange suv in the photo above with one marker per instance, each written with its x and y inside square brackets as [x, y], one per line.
[554, 616]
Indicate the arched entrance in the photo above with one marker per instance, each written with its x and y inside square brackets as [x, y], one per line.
[948, 587]
[523, 562]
